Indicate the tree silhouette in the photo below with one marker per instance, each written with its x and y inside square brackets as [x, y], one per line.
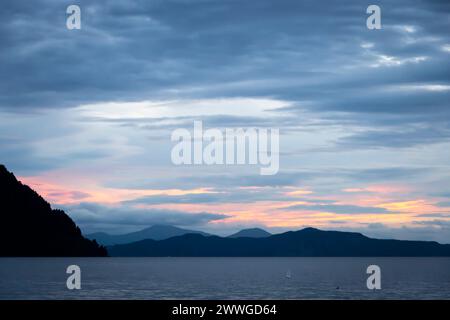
[30, 227]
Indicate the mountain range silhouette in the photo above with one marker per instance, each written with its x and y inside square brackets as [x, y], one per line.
[163, 232]
[308, 242]
[155, 232]
[30, 227]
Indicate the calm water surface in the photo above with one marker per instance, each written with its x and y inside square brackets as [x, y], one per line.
[224, 278]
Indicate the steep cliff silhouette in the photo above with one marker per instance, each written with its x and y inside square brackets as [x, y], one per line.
[29, 227]
[308, 242]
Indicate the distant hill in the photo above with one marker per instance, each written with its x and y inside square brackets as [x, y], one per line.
[156, 232]
[29, 227]
[308, 242]
[251, 233]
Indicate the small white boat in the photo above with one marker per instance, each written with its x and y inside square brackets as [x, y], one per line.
[288, 274]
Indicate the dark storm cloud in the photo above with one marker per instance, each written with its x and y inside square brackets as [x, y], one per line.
[92, 213]
[304, 52]
[144, 49]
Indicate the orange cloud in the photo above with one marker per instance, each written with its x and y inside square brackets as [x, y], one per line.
[269, 213]
[384, 189]
[298, 193]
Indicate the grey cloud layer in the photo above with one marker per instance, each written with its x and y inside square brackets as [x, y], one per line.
[92, 213]
[150, 48]
[339, 209]
[304, 52]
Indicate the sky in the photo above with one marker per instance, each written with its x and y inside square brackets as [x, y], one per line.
[86, 115]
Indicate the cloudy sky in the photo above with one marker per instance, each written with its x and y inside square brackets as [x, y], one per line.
[86, 115]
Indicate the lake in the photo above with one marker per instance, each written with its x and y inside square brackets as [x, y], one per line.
[225, 278]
